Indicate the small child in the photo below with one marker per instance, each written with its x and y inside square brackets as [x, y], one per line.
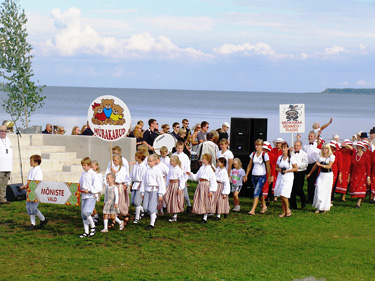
[236, 179]
[223, 188]
[88, 200]
[203, 198]
[186, 169]
[110, 201]
[32, 207]
[152, 189]
[226, 153]
[174, 197]
[164, 170]
[164, 158]
[136, 177]
[99, 181]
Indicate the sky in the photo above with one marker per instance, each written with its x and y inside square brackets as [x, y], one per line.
[235, 45]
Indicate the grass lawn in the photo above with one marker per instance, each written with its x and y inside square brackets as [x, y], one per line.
[338, 245]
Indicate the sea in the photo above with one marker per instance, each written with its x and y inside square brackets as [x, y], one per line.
[68, 107]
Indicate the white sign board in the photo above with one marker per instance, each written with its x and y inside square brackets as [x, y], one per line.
[109, 118]
[292, 118]
[52, 192]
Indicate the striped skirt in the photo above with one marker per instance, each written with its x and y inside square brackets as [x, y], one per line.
[222, 205]
[174, 202]
[123, 200]
[202, 203]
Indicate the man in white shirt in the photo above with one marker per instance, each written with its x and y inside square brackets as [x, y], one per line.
[208, 147]
[313, 154]
[299, 176]
[6, 163]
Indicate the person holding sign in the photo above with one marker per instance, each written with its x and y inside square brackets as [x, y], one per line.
[35, 174]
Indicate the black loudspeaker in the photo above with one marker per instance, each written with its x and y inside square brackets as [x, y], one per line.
[15, 193]
[243, 133]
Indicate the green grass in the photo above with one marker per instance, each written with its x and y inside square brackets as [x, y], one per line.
[338, 245]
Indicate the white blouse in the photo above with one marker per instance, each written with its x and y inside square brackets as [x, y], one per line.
[137, 174]
[206, 172]
[222, 176]
[175, 173]
[35, 174]
[153, 181]
[259, 166]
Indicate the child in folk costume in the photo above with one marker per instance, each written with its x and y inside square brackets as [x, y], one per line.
[136, 177]
[223, 188]
[164, 170]
[99, 181]
[152, 189]
[185, 166]
[236, 180]
[121, 177]
[164, 158]
[204, 202]
[174, 197]
[143, 148]
[88, 200]
[35, 174]
[111, 197]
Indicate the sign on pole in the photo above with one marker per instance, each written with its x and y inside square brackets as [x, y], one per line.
[109, 118]
[292, 118]
[63, 193]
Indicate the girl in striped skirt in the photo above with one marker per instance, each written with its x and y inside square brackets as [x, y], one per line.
[111, 197]
[204, 202]
[174, 197]
[223, 188]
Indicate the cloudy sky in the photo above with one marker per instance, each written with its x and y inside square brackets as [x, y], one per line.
[241, 45]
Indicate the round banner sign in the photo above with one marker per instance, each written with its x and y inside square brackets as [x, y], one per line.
[109, 118]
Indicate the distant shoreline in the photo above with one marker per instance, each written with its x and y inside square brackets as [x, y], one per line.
[348, 91]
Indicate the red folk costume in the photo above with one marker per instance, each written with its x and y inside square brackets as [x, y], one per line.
[372, 157]
[336, 168]
[346, 165]
[266, 185]
[361, 169]
[275, 154]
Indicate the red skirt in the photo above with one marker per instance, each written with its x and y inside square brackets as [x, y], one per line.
[358, 186]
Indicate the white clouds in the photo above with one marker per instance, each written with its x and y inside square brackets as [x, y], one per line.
[363, 83]
[247, 49]
[75, 38]
[181, 23]
[335, 50]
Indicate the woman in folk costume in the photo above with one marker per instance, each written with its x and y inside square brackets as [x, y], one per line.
[276, 152]
[324, 181]
[336, 167]
[346, 164]
[360, 173]
[268, 186]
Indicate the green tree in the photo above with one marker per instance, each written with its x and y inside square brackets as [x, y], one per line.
[24, 97]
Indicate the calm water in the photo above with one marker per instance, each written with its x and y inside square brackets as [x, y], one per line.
[68, 106]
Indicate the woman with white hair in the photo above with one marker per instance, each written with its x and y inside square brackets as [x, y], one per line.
[323, 187]
[360, 173]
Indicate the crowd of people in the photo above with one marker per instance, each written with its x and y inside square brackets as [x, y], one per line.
[158, 182]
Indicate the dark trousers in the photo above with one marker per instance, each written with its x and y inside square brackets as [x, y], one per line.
[297, 189]
[311, 183]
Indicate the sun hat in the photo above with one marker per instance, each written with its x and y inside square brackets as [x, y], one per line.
[226, 124]
[278, 140]
[334, 144]
[267, 145]
[347, 142]
[359, 143]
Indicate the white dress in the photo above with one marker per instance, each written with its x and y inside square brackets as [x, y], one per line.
[284, 182]
[323, 187]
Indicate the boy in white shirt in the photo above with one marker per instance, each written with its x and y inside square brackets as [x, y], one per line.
[185, 166]
[152, 189]
[35, 174]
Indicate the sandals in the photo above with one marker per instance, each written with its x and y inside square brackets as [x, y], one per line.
[92, 232]
[112, 225]
[84, 235]
[263, 210]
[104, 230]
[251, 214]
[282, 215]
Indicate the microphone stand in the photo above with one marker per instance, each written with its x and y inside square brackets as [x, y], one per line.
[18, 133]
